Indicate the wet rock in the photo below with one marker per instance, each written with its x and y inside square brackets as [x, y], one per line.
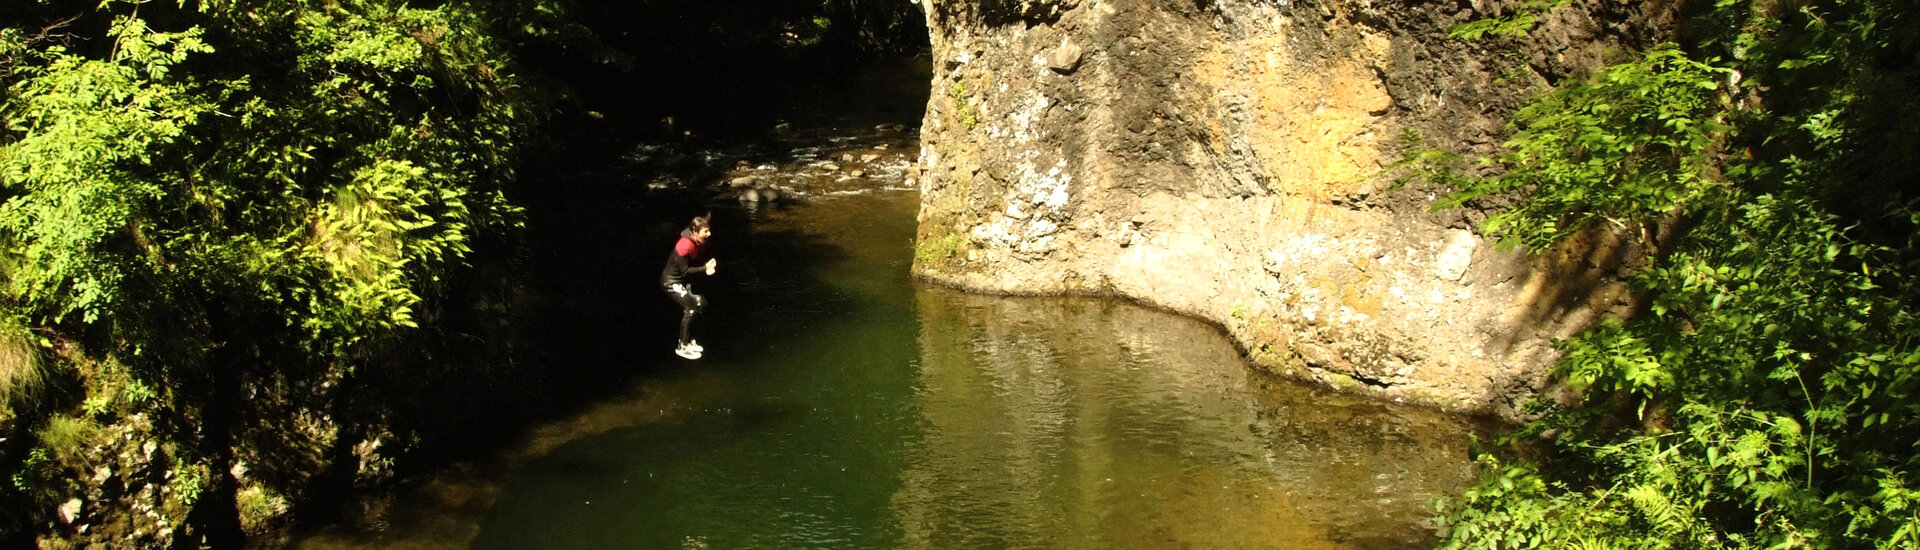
[741, 181]
[760, 195]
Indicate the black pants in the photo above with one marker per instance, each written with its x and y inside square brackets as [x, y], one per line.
[690, 305]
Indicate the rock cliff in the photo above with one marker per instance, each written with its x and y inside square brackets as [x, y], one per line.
[1234, 160]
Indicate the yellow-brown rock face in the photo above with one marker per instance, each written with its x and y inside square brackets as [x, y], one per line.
[1233, 160]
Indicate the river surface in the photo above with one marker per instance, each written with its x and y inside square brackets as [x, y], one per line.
[843, 405]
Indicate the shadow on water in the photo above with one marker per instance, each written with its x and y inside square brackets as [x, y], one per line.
[841, 405]
[801, 388]
[601, 324]
[591, 322]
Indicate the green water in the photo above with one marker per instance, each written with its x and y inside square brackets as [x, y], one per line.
[841, 405]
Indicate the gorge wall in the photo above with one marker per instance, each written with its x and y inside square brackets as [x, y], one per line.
[1234, 160]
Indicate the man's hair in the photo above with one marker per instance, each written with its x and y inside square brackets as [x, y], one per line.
[699, 222]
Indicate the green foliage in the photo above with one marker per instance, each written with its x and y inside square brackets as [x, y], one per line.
[138, 393]
[189, 481]
[153, 183]
[67, 436]
[83, 124]
[1508, 25]
[1765, 396]
[928, 251]
[966, 113]
[21, 366]
[1626, 148]
[33, 472]
[97, 405]
[258, 506]
[221, 193]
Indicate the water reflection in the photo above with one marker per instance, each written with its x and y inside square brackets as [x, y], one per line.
[1049, 422]
[843, 406]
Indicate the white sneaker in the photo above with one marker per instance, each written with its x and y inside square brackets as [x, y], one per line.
[687, 352]
[695, 346]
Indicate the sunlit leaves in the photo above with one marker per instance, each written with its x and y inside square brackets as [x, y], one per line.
[262, 195]
[1764, 396]
[390, 215]
[1626, 148]
[74, 176]
[287, 178]
[108, 145]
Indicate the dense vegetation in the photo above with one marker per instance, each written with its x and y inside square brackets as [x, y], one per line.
[218, 215]
[254, 251]
[1764, 394]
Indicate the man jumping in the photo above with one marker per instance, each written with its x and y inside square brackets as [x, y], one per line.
[673, 278]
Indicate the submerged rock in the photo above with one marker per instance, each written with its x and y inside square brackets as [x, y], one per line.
[760, 195]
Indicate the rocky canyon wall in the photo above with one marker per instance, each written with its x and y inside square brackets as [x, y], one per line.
[1233, 160]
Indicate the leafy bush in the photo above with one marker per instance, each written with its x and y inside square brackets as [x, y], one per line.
[1626, 148]
[231, 198]
[1764, 397]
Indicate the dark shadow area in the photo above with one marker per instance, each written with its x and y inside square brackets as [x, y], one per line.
[630, 162]
[732, 70]
[600, 331]
[642, 148]
[535, 325]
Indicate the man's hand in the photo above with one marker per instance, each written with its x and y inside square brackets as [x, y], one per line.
[710, 263]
